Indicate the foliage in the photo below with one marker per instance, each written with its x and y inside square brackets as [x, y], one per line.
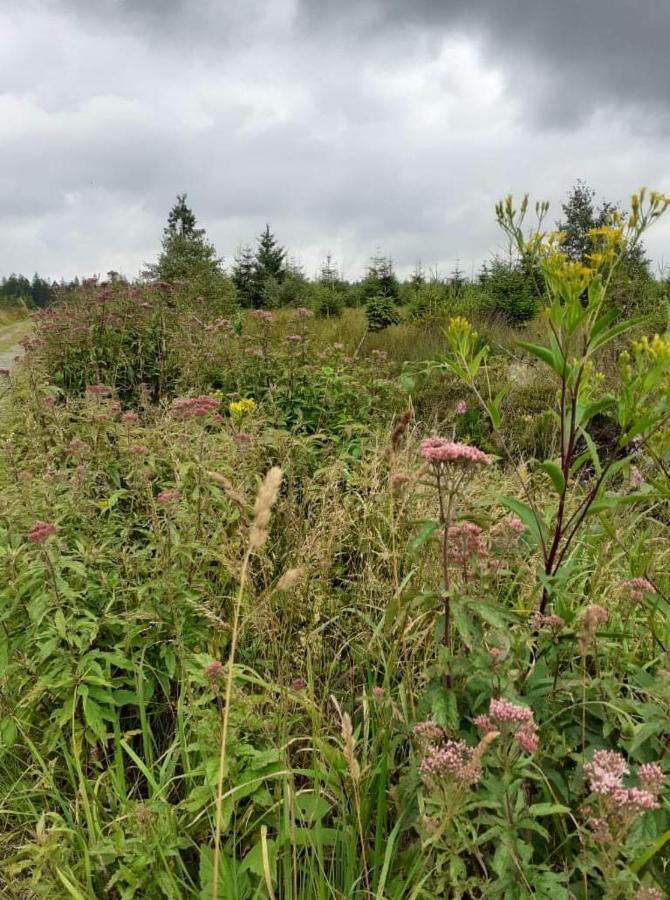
[263, 634]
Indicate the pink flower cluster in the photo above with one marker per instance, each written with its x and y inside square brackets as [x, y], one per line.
[294, 338]
[461, 408]
[619, 805]
[444, 759]
[302, 313]
[263, 315]
[538, 621]
[515, 720]
[515, 525]
[638, 587]
[40, 532]
[451, 759]
[466, 544]
[98, 390]
[194, 407]
[77, 447]
[219, 325]
[439, 451]
[379, 355]
[130, 418]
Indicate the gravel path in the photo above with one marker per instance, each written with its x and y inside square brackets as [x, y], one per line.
[8, 357]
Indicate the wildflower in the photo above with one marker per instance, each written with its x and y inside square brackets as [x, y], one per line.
[165, 498]
[240, 407]
[298, 684]
[49, 402]
[241, 438]
[649, 893]
[400, 428]
[461, 408]
[25, 475]
[497, 655]
[98, 390]
[651, 777]
[217, 418]
[263, 315]
[515, 525]
[638, 587]
[511, 719]
[302, 313]
[193, 407]
[380, 355]
[378, 693]
[452, 758]
[590, 618]
[466, 545]
[294, 338]
[138, 450]
[338, 346]
[636, 476]
[77, 447]
[40, 532]
[428, 733]
[215, 671]
[439, 451]
[130, 418]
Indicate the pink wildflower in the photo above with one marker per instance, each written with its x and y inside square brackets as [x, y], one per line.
[452, 758]
[378, 693]
[651, 777]
[438, 450]
[515, 525]
[461, 407]
[215, 671]
[241, 438]
[638, 587]
[138, 450]
[193, 407]
[40, 532]
[517, 721]
[165, 498]
[263, 315]
[98, 390]
[380, 355]
[298, 684]
[428, 732]
[130, 418]
[294, 338]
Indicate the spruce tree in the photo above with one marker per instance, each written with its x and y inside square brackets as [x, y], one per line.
[243, 275]
[269, 268]
[186, 253]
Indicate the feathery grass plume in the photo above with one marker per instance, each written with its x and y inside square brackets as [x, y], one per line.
[232, 494]
[267, 494]
[289, 579]
[265, 500]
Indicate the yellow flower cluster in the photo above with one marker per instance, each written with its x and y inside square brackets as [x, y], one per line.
[459, 328]
[240, 407]
[657, 349]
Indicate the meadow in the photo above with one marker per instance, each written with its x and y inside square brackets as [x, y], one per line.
[295, 603]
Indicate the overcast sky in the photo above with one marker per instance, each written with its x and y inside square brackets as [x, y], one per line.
[347, 124]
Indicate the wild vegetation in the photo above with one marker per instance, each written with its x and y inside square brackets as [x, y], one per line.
[317, 590]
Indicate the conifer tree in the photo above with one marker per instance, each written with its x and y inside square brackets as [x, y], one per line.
[243, 275]
[186, 253]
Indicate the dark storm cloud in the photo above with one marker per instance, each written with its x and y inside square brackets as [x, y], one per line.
[348, 126]
[565, 57]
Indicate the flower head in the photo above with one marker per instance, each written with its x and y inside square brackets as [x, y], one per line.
[440, 451]
[40, 532]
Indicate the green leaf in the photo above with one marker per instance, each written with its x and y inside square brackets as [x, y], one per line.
[545, 354]
[425, 532]
[554, 472]
[407, 383]
[650, 852]
[93, 717]
[527, 516]
[548, 809]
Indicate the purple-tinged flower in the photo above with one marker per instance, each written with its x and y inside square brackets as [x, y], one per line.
[98, 390]
[439, 450]
[166, 498]
[298, 684]
[40, 531]
[130, 418]
[215, 672]
[638, 587]
[461, 408]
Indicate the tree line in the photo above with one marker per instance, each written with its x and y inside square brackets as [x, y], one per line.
[265, 276]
